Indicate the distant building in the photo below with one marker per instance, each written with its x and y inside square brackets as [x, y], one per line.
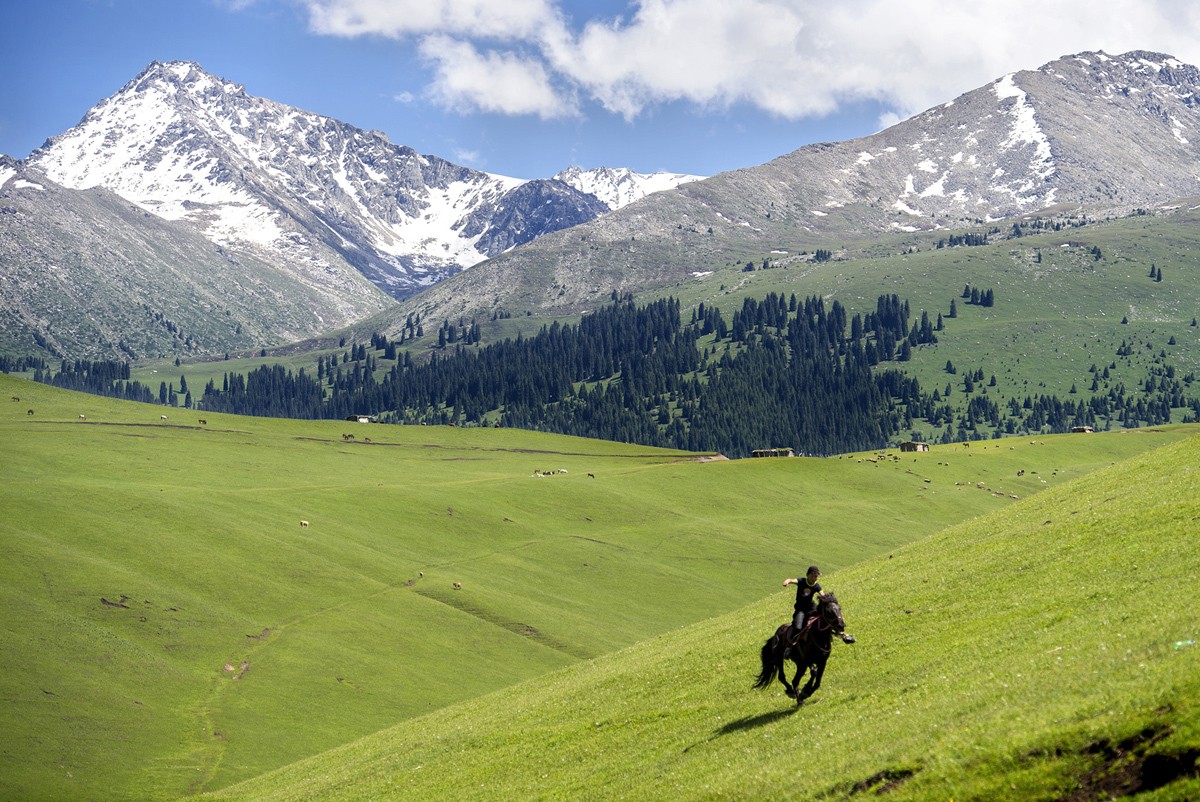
[1082, 429]
[360, 418]
[773, 452]
[913, 445]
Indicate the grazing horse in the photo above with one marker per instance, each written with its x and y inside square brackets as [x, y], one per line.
[808, 649]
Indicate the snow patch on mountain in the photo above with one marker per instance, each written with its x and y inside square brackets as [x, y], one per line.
[618, 187]
[1025, 129]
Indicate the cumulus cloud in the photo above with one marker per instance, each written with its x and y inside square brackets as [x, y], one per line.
[464, 156]
[509, 83]
[517, 19]
[791, 58]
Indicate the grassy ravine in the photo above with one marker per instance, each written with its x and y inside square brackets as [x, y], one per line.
[169, 627]
[1041, 652]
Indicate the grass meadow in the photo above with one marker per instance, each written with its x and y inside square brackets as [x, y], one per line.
[1045, 651]
[170, 628]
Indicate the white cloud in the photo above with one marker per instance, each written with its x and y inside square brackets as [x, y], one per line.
[464, 156]
[888, 119]
[509, 83]
[792, 58]
[708, 52]
[518, 19]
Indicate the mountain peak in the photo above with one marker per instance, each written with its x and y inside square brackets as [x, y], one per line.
[1133, 66]
[181, 75]
[1092, 130]
[300, 188]
[620, 186]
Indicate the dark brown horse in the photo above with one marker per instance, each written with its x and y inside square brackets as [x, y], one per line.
[808, 650]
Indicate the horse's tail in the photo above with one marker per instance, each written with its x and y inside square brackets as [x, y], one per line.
[770, 665]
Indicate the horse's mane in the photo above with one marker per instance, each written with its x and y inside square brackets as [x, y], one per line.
[828, 598]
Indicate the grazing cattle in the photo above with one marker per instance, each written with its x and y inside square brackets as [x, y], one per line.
[347, 437]
[458, 585]
[162, 417]
[420, 573]
[83, 417]
[16, 398]
[366, 439]
[303, 523]
[203, 422]
[30, 412]
[592, 475]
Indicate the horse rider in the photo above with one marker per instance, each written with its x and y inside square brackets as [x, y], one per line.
[807, 592]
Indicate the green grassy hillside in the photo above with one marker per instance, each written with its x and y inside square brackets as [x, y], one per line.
[1046, 651]
[170, 627]
[1059, 310]
[1077, 316]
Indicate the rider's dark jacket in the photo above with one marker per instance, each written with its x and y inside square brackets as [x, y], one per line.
[806, 596]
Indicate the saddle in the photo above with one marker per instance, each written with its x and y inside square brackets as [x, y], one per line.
[796, 635]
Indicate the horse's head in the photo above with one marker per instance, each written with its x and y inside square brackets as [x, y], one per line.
[831, 612]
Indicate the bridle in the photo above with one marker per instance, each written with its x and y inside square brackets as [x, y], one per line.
[829, 616]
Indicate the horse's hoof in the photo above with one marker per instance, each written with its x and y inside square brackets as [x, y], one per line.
[849, 639]
[790, 693]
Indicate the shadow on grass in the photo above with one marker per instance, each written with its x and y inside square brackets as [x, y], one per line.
[748, 723]
[756, 721]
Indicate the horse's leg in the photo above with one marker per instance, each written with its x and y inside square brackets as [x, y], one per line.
[801, 667]
[789, 688]
[814, 679]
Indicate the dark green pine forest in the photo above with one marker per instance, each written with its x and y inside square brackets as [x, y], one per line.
[781, 373]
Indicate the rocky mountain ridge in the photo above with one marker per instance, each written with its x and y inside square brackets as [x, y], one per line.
[1088, 130]
[181, 196]
[291, 212]
[287, 184]
[88, 274]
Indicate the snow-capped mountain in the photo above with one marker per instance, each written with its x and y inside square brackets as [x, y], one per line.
[618, 187]
[1090, 131]
[317, 193]
[86, 273]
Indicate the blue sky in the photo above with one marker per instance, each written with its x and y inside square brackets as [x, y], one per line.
[526, 88]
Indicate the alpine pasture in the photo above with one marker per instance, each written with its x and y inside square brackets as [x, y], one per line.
[171, 628]
[1046, 651]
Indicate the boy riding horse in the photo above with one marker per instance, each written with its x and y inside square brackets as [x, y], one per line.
[807, 592]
